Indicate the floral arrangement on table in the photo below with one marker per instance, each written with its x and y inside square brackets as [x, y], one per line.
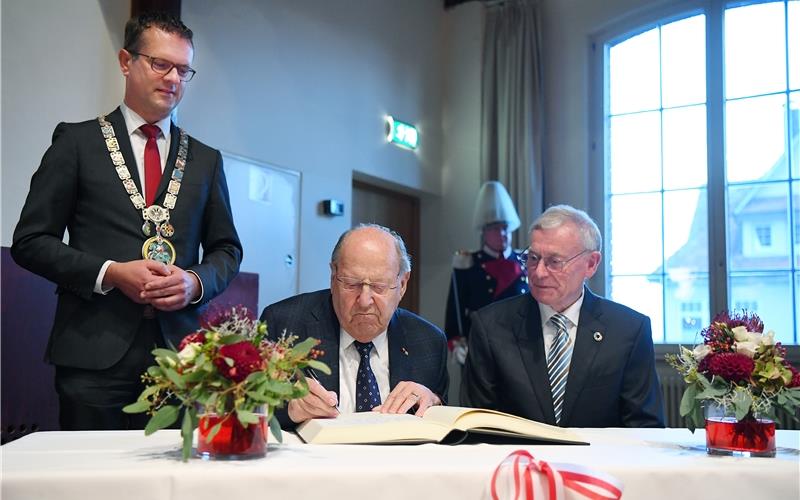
[739, 368]
[228, 368]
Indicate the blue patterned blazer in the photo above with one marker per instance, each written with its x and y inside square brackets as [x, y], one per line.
[417, 348]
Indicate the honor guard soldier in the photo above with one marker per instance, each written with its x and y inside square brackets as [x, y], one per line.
[492, 273]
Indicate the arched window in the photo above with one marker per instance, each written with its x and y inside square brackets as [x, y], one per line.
[699, 142]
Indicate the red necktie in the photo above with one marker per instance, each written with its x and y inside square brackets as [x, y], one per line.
[152, 163]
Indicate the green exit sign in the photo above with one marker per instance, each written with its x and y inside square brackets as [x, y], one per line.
[403, 134]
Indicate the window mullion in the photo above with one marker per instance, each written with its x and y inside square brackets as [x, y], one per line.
[715, 109]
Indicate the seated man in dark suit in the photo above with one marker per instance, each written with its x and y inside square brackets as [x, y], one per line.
[382, 358]
[563, 355]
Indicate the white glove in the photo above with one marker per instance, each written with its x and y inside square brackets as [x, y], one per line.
[460, 352]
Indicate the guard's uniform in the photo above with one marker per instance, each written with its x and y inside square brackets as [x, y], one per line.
[479, 279]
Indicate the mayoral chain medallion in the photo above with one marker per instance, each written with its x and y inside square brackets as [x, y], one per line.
[157, 246]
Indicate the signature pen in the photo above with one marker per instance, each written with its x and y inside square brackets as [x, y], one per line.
[310, 373]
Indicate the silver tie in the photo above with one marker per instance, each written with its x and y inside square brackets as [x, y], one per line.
[558, 362]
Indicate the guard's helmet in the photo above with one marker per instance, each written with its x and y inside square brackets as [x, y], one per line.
[494, 205]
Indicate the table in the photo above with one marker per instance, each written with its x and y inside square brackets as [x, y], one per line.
[652, 464]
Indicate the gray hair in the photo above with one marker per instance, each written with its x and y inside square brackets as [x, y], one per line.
[558, 215]
[399, 245]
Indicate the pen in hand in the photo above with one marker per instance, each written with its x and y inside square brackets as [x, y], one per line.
[310, 373]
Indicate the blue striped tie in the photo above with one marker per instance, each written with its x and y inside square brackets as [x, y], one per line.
[558, 362]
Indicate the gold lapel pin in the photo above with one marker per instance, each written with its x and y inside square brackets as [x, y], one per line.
[597, 336]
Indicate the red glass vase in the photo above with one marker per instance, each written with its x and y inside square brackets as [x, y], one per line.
[233, 441]
[750, 436]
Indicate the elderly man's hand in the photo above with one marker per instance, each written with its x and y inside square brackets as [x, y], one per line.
[407, 395]
[318, 403]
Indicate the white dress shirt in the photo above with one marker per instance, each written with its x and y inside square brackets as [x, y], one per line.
[494, 254]
[349, 359]
[572, 313]
[138, 141]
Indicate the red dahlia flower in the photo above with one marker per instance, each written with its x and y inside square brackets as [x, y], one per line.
[731, 366]
[795, 376]
[246, 360]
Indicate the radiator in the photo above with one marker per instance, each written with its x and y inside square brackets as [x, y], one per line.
[672, 387]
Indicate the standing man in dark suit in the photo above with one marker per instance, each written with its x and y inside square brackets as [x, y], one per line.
[563, 355]
[140, 198]
[382, 358]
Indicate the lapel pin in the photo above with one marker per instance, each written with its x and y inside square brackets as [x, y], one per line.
[404, 351]
[597, 336]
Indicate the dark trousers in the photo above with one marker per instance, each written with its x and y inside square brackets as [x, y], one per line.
[93, 399]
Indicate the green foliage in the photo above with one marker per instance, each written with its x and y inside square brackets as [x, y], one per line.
[164, 417]
[200, 380]
[718, 381]
[275, 428]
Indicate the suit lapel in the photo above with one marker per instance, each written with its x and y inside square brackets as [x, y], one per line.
[399, 357]
[585, 350]
[530, 341]
[323, 326]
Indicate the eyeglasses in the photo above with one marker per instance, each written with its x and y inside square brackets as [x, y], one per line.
[356, 285]
[163, 67]
[552, 264]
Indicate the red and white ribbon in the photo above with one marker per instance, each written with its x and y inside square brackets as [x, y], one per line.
[559, 479]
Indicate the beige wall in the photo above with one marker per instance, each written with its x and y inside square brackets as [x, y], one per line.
[59, 63]
[305, 85]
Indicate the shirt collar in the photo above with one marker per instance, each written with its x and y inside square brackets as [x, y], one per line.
[133, 121]
[573, 312]
[345, 341]
[494, 254]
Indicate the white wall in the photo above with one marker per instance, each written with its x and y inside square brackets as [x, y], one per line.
[58, 64]
[305, 85]
[447, 220]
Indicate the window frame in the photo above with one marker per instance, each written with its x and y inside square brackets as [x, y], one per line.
[635, 23]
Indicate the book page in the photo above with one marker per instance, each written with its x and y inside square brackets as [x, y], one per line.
[368, 418]
[467, 419]
[371, 427]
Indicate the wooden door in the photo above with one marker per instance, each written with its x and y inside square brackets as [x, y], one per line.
[397, 211]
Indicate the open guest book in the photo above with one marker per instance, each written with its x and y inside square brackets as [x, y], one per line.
[440, 424]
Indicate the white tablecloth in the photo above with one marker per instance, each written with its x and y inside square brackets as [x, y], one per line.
[651, 463]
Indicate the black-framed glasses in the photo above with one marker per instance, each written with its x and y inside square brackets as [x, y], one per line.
[163, 67]
[357, 284]
[552, 264]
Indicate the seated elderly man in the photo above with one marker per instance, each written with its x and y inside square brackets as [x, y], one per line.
[382, 358]
[562, 355]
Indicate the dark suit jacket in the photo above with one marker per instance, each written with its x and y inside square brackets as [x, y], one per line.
[77, 188]
[417, 349]
[611, 382]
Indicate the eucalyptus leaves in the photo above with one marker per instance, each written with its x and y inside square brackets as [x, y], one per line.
[739, 368]
[226, 367]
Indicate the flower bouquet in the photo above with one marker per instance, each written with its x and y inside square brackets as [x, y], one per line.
[228, 378]
[737, 379]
